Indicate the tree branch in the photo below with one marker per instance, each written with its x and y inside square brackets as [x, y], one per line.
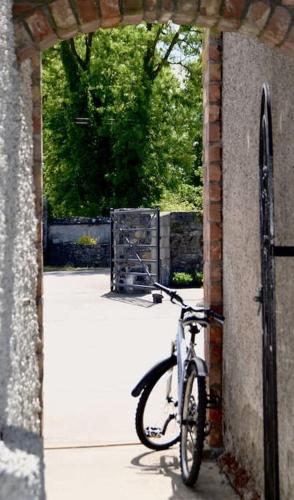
[164, 60]
[150, 52]
[83, 63]
[89, 40]
[179, 63]
[79, 60]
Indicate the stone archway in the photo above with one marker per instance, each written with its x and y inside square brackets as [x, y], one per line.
[39, 24]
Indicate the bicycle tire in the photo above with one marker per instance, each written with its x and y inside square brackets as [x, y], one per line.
[141, 408]
[192, 422]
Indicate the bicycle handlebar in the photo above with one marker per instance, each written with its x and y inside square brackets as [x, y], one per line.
[172, 293]
[210, 314]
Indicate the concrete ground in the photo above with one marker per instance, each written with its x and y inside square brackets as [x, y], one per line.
[97, 345]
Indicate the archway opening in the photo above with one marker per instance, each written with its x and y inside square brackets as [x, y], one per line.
[129, 102]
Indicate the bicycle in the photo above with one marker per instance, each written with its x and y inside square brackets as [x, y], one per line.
[184, 400]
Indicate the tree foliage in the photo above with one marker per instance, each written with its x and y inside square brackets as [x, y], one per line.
[138, 91]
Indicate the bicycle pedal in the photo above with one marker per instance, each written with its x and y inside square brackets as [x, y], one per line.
[190, 422]
[153, 432]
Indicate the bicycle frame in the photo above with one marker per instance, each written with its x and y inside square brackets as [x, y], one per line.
[186, 354]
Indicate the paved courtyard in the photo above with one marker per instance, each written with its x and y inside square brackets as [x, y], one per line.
[97, 345]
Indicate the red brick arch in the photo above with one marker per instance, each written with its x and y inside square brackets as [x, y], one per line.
[41, 23]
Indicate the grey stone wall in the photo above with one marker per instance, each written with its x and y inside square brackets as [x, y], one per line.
[21, 460]
[61, 247]
[185, 242]
[71, 229]
[180, 244]
[71, 254]
[165, 266]
[247, 65]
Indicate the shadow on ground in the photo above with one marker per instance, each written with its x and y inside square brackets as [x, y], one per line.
[133, 300]
[209, 486]
[60, 272]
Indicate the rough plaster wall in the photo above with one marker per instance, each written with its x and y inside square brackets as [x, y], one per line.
[21, 463]
[247, 65]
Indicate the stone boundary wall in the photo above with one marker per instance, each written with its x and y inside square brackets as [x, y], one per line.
[61, 247]
[72, 254]
[180, 243]
[70, 229]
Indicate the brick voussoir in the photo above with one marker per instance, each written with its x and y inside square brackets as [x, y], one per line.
[234, 9]
[166, 10]
[64, 19]
[132, 11]
[288, 45]
[210, 8]
[150, 10]
[88, 16]
[256, 18]
[110, 13]
[277, 27]
[41, 29]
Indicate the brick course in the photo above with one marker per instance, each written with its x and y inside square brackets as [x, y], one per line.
[213, 219]
[269, 20]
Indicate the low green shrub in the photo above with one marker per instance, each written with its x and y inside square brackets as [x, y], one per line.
[182, 279]
[198, 278]
[187, 279]
[86, 240]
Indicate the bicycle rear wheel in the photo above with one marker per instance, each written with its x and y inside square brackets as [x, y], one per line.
[156, 422]
[192, 426]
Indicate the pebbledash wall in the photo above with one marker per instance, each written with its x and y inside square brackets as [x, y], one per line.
[21, 457]
[246, 66]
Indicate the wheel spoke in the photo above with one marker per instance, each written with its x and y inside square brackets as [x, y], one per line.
[156, 423]
[192, 440]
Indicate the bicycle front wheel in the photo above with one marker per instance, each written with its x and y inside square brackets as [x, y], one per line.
[192, 426]
[156, 416]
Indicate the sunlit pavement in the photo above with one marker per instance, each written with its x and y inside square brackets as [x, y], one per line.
[97, 345]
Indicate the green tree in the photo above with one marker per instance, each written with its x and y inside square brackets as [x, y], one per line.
[141, 140]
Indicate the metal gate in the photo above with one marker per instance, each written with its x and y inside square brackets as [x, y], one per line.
[135, 249]
[268, 301]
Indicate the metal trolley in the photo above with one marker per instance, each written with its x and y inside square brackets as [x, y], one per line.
[135, 249]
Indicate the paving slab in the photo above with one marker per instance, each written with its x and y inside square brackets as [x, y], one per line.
[128, 473]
